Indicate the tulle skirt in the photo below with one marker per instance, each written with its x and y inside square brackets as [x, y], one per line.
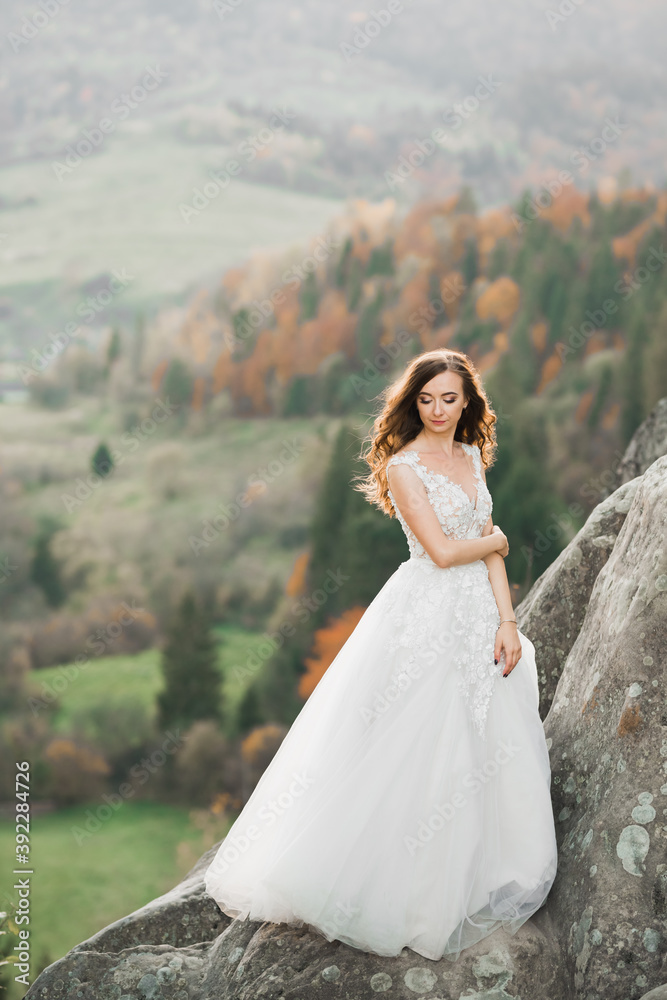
[409, 805]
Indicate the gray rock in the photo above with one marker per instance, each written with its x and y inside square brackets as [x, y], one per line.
[291, 963]
[660, 993]
[552, 612]
[649, 442]
[608, 730]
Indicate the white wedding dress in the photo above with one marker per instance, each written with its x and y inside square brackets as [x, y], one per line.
[409, 804]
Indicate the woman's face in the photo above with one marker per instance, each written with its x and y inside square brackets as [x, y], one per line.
[440, 402]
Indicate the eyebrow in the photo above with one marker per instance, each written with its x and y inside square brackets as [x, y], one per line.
[450, 392]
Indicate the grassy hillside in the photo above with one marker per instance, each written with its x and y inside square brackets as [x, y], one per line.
[140, 852]
[137, 535]
[116, 687]
[119, 210]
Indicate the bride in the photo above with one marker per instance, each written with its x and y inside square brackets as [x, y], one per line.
[409, 804]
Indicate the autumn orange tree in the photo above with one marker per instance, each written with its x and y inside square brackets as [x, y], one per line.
[328, 641]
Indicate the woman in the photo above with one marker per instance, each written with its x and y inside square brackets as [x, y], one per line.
[409, 805]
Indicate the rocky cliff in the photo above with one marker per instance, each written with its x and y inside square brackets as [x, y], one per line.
[598, 618]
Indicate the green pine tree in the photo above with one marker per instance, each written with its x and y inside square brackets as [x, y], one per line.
[102, 463]
[178, 382]
[114, 348]
[343, 265]
[45, 572]
[309, 297]
[632, 407]
[381, 260]
[138, 342]
[189, 665]
[355, 283]
[249, 712]
[470, 265]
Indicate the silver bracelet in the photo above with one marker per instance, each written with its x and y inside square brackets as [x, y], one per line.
[508, 620]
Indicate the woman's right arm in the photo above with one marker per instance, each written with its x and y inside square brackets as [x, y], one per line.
[412, 501]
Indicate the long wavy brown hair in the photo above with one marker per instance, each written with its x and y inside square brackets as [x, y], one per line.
[399, 422]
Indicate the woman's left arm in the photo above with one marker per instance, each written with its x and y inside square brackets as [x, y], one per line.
[507, 636]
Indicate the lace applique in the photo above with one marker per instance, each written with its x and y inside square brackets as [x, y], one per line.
[465, 589]
[459, 516]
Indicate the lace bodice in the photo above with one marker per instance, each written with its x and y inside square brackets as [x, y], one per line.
[461, 594]
[459, 516]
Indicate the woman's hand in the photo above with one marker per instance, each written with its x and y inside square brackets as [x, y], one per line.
[507, 639]
[504, 545]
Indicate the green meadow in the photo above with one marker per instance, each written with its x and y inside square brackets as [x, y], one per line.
[137, 854]
[119, 209]
[126, 682]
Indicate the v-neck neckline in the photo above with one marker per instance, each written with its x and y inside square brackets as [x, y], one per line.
[443, 475]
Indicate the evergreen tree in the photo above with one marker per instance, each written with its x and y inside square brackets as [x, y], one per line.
[102, 463]
[467, 201]
[114, 348]
[309, 297]
[138, 342]
[178, 382]
[297, 401]
[603, 389]
[499, 260]
[601, 279]
[249, 712]
[343, 265]
[356, 280]
[632, 378]
[189, 665]
[348, 533]
[368, 326]
[381, 260]
[45, 572]
[470, 265]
